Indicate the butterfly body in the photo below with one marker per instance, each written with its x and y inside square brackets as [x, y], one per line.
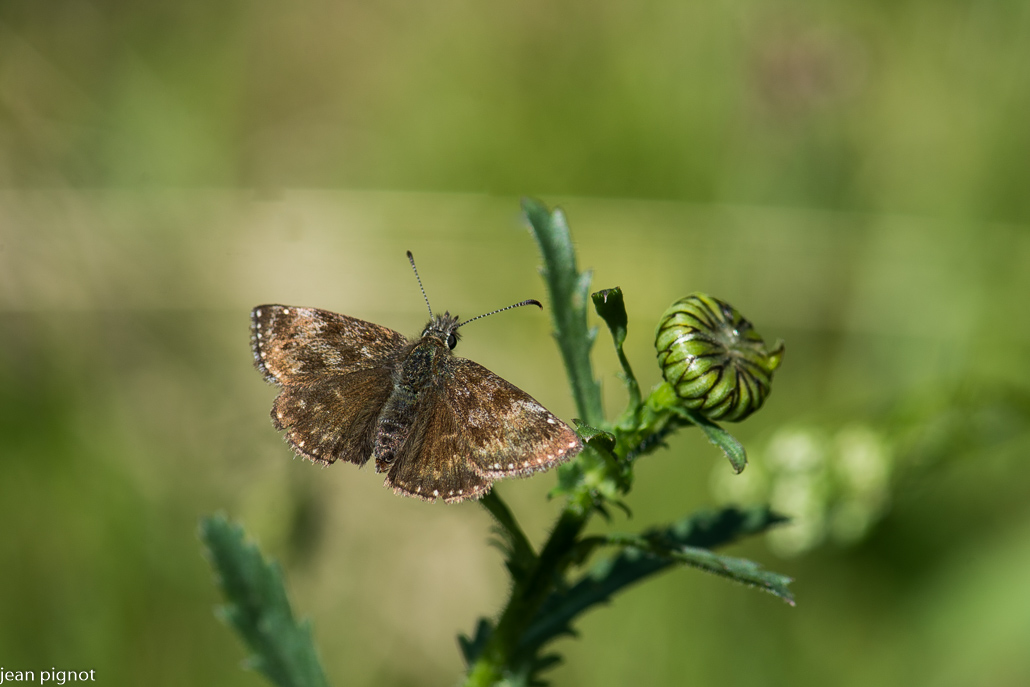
[438, 425]
[419, 369]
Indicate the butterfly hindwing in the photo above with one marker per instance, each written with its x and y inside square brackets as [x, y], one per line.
[432, 462]
[475, 427]
[333, 418]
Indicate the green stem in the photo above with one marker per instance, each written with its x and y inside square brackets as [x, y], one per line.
[499, 656]
[568, 291]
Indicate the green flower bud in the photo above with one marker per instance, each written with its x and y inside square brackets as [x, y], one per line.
[714, 360]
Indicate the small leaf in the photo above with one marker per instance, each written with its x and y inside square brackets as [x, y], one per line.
[600, 468]
[598, 438]
[257, 607]
[519, 554]
[733, 449]
[472, 647]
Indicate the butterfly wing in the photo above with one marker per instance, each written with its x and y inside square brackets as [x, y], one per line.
[474, 427]
[335, 374]
[433, 460]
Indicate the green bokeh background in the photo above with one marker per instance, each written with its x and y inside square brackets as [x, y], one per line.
[854, 177]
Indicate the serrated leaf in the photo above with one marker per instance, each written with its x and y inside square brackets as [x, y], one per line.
[568, 290]
[739, 570]
[598, 438]
[519, 554]
[631, 565]
[471, 647]
[598, 468]
[258, 608]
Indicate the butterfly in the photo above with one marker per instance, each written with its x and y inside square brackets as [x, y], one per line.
[438, 425]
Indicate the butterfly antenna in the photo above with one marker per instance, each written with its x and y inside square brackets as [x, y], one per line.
[411, 259]
[516, 305]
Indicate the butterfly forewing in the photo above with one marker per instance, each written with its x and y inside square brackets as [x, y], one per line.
[302, 345]
[510, 435]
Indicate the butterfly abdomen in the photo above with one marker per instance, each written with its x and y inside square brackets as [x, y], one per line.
[395, 420]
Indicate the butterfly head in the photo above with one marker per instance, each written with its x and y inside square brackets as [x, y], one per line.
[445, 328]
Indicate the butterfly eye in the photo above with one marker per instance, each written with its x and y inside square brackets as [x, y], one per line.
[452, 340]
[712, 357]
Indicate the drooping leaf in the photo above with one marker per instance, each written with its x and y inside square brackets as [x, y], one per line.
[733, 449]
[703, 530]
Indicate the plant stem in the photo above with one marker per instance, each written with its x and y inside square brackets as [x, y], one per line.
[568, 291]
[500, 652]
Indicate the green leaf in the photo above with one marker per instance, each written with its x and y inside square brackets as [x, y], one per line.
[733, 449]
[568, 290]
[611, 306]
[592, 436]
[258, 609]
[737, 569]
[471, 647]
[608, 475]
[519, 554]
[632, 564]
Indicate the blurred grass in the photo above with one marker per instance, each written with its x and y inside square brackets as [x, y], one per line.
[851, 177]
[908, 107]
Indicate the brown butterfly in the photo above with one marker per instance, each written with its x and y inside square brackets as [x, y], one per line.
[438, 425]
